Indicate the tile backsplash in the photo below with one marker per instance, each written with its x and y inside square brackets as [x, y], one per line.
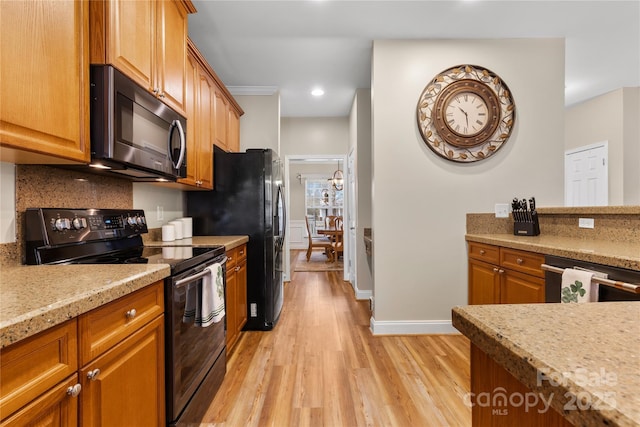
[38, 186]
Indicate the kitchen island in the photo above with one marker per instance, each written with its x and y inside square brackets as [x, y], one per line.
[581, 360]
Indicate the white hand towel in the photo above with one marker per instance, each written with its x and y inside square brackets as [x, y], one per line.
[577, 286]
[191, 302]
[210, 306]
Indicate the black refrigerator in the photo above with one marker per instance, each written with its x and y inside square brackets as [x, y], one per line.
[248, 199]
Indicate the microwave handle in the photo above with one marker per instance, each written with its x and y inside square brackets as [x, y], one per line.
[177, 125]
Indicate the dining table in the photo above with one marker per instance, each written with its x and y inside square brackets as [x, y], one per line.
[334, 235]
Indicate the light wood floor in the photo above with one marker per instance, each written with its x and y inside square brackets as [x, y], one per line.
[321, 366]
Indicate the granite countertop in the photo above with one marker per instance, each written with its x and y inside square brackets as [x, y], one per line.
[36, 297]
[617, 254]
[229, 242]
[592, 350]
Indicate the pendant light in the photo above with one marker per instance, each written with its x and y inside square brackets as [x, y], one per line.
[338, 178]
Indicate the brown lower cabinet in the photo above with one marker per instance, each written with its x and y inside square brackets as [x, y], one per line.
[490, 379]
[236, 295]
[500, 275]
[104, 368]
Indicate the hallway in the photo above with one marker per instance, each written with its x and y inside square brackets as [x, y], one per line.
[321, 366]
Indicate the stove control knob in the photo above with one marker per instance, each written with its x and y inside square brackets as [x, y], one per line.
[79, 223]
[62, 224]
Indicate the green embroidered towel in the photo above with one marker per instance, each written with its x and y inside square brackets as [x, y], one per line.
[578, 287]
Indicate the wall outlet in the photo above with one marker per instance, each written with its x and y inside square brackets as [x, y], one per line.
[585, 222]
[502, 210]
[159, 213]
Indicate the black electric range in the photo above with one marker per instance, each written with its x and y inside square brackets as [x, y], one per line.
[102, 236]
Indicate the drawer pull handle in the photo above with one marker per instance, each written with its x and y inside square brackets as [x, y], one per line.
[500, 271]
[482, 252]
[495, 269]
[241, 252]
[131, 313]
[229, 259]
[519, 261]
[74, 390]
[92, 375]
[237, 268]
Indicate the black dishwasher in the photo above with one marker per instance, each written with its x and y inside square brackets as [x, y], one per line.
[553, 280]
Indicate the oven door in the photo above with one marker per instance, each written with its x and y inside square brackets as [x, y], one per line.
[191, 350]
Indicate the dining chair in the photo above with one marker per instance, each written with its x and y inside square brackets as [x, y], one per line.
[337, 243]
[318, 242]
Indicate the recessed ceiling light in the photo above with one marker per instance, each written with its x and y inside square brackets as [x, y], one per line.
[317, 92]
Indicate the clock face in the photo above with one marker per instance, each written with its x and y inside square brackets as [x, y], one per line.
[466, 113]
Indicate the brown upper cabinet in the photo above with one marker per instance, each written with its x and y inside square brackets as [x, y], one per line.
[44, 89]
[147, 41]
[213, 118]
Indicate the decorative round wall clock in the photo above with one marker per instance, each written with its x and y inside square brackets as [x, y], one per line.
[466, 113]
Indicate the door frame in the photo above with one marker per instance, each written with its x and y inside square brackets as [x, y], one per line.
[287, 179]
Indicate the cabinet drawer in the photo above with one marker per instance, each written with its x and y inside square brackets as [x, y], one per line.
[105, 326]
[32, 366]
[486, 253]
[232, 258]
[525, 262]
[242, 253]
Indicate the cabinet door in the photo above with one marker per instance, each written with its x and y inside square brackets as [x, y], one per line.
[171, 34]
[233, 142]
[44, 64]
[484, 283]
[191, 109]
[518, 288]
[204, 123]
[54, 408]
[241, 297]
[230, 307]
[221, 119]
[130, 42]
[129, 389]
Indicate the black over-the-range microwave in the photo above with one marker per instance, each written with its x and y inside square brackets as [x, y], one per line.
[133, 133]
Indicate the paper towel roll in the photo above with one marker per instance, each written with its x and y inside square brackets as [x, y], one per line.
[187, 227]
[168, 233]
[178, 227]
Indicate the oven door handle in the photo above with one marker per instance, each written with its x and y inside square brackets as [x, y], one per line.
[180, 283]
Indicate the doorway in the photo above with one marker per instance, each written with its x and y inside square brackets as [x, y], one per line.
[295, 218]
[586, 175]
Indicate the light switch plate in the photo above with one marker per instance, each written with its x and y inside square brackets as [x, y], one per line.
[585, 222]
[502, 210]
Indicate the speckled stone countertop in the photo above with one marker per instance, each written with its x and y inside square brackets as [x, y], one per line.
[36, 297]
[617, 254]
[229, 242]
[592, 350]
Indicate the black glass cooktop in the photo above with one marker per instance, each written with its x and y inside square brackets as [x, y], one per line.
[178, 257]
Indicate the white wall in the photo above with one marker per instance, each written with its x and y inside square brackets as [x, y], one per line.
[260, 123]
[420, 199]
[360, 141]
[7, 202]
[314, 136]
[612, 117]
[149, 196]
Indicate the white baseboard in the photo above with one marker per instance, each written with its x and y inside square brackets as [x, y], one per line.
[417, 327]
[362, 294]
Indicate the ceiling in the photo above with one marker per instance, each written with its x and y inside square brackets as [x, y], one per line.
[296, 45]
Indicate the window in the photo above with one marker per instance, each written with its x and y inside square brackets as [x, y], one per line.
[321, 199]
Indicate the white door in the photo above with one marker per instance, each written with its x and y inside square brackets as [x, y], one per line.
[351, 219]
[586, 176]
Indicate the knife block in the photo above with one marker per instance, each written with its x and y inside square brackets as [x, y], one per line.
[526, 228]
